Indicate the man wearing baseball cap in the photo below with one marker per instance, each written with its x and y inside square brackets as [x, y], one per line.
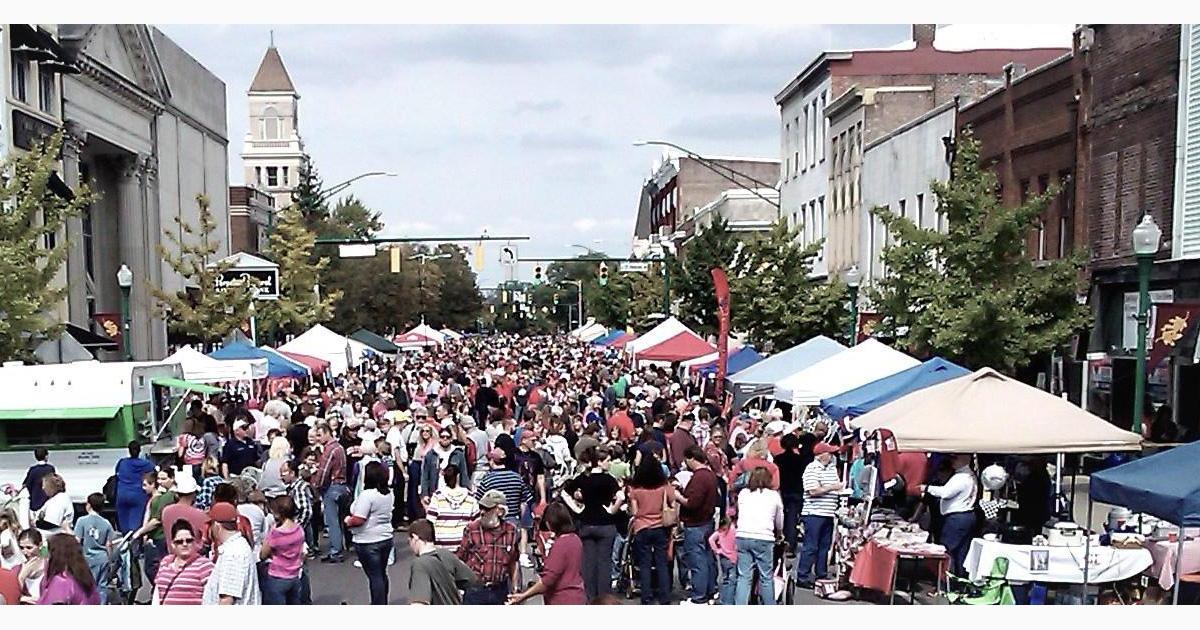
[821, 488]
[240, 451]
[234, 580]
[490, 547]
[184, 508]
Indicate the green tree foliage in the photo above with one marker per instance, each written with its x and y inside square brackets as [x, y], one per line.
[350, 218]
[691, 276]
[458, 302]
[290, 245]
[32, 251]
[971, 295]
[308, 196]
[202, 311]
[774, 297]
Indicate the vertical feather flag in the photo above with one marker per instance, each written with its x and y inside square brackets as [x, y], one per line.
[721, 283]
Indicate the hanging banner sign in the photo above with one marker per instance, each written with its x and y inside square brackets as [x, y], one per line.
[264, 282]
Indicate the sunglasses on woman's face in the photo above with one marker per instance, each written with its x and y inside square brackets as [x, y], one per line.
[184, 541]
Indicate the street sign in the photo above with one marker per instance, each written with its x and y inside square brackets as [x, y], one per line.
[635, 267]
[264, 282]
[363, 250]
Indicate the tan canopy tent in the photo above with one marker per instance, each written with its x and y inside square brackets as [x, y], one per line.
[987, 412]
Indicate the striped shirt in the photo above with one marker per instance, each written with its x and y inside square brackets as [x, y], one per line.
[816, 475]
[450, 510]
[516, 492]
[182, 587]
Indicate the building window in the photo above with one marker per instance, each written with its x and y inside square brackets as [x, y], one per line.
[920, 210]
[903, 208]
[824, 128]
[284, 177]
[1062, 236]
[270, 123]
[941, 222]
[272, 177]
[46, 91]
[20, 70]
[871, 253]
[802, 133]
[258, 175]
[1041, 238]
[787, 154]
[89, 256]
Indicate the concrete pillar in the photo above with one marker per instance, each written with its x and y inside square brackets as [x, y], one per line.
[77, 281]
[132, 244]
[157, 328]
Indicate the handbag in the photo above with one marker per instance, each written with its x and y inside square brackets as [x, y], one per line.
[670, 514]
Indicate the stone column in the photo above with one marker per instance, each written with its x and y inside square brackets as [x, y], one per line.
[131, 237]
[77, 281]
[153, 235]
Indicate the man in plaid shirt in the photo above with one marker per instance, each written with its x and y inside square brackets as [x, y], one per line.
[301, 494]
[490, 547]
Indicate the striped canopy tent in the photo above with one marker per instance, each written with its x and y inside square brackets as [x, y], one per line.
[682, 346]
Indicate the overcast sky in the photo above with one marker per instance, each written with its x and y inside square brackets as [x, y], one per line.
[522, 130]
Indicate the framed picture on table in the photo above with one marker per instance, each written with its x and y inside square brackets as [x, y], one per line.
[1039, 560]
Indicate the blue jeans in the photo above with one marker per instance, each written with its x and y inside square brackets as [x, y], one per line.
[700, 562]
[792, 504]
[494, 595]
[650, 548]
[329, 509]
[955, 536]
[729, 576]
[374, 557]
[818, 536]
[280, 591]
[755, 554]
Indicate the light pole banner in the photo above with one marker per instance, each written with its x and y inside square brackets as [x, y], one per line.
[1173, 325]
[721, 283]
[110, 323]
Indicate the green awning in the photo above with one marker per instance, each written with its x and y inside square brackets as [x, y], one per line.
[179, 383]
[69, 413]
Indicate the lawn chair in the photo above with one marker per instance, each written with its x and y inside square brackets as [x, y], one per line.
[993, 590]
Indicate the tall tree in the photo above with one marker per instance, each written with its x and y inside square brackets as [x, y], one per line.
[202, 311]
[309, 197]
[290, 245]
[31, 252]
[775, 299]
[971, 294]
[458, 302]
[691, 276]
[351, 218]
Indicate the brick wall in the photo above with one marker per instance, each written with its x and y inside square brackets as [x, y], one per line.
[243, 235]
[1131, 100]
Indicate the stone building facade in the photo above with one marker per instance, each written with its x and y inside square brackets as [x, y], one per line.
[272, 151]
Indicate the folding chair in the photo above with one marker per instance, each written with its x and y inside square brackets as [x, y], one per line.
[992, 590]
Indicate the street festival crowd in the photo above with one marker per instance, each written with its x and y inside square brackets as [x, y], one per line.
[493, 454]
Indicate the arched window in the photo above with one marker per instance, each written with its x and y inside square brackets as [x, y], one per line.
[270, 123]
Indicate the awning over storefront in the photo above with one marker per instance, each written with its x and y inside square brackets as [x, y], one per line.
[179, 383]
[60, 413]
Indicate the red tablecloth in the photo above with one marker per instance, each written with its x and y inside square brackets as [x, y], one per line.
[875, 564]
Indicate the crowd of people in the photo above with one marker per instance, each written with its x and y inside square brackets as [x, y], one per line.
[496, 455]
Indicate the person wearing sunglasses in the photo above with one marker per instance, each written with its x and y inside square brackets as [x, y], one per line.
[443, 453]
[183, 573]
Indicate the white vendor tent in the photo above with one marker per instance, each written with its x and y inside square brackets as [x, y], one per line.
[426, 330]
[861, 364]
[201, 368]
[341, 352]
[987, 412]
[595, 331]
[450, 334]
[660, 333]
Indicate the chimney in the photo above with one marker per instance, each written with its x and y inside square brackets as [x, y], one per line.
[923, 34]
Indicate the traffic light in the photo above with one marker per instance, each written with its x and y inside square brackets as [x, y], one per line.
[537, 274]
[603, 274]
[556, 299]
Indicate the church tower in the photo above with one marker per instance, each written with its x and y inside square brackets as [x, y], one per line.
[273, 151]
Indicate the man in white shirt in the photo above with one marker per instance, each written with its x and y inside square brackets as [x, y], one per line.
[821, 489]
[956, 500]
[234, 580]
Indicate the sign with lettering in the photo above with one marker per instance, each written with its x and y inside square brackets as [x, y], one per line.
[264, 282]
[634, 267]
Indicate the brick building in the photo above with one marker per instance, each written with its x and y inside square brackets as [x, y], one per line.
[843, 83]
[681, 186]
[251, 214]
[1131, 100]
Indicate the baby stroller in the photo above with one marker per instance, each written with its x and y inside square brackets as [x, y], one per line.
[539, 543]
[122, 580]
[784, 580]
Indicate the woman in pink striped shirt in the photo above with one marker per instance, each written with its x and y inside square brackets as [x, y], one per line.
[181, 576]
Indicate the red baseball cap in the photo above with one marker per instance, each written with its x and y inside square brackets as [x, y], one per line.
[824, 447]
[223, 513]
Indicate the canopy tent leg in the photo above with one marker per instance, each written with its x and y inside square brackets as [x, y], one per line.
[1060, 503]
[1178, 568]
[1087, 549]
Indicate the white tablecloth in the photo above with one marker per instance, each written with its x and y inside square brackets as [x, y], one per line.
[1064, 565]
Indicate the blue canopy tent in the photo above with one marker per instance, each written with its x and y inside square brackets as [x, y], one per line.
[738, 360]
[605, 339]
[875, 394]
[760, 378]
[277, 365]
[1165, 485]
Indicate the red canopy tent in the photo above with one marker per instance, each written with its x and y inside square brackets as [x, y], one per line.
[683, 346]
[413, 339]
[314, 365]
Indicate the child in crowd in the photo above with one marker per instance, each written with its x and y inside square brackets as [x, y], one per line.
[723, 543]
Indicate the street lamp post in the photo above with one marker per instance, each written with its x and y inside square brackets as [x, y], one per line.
[1146, 239]
[333, 190]
[125, 281]
[578, 299]
[853, 278]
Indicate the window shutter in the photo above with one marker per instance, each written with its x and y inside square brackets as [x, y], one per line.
[1189, 192]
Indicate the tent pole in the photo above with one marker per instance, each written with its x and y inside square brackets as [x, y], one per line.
[1087, 549]
[1178, 568]
[1060, 503]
